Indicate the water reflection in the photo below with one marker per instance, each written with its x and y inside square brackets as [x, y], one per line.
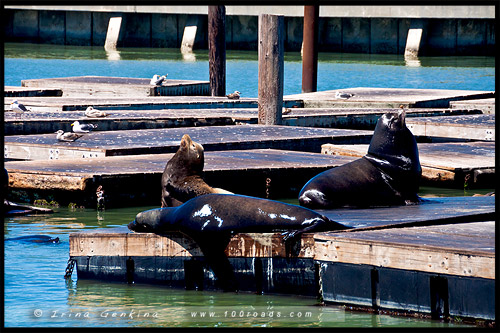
[113, 54]
[412, 61]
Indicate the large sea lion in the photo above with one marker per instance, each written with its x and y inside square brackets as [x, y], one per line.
[388, 174]
[211, 219]
[182, 178]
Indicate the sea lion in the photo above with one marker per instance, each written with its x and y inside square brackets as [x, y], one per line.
[182, 178]
[35, 239]
[389, 174]
[211, 219]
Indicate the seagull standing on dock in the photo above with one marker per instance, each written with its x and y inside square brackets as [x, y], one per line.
[235, 95]
[18, 108]
[82, 128]
[94, 113]
[343, 95]
[157, 80]
[67, 136]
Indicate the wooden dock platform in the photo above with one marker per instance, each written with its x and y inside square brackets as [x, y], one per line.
[104, 86]
[39, 122]
[470, 127]
[442, 163]
[13, 91]
[166, 140]
[442, 270]
[57, 104]
[136, 179]
[389, 97]
[446, 270]
[486, 105]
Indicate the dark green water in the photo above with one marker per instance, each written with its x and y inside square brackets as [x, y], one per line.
[36, 294]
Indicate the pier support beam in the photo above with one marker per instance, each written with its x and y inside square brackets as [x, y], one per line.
[271, 68]
[217, 49]
[113, 33]
[310, 49]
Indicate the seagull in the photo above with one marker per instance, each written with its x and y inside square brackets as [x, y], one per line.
[157, 80]
[67, 136]
[18, 108]
[82, 128]
[94, 113]
[235, 95]
[343, 95]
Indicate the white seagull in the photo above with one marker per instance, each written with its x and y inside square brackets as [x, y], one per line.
[18, 108]
[235, 95]
[343, 95]
[94, 113]
[67, 136]
[82, 128]
[157, 80]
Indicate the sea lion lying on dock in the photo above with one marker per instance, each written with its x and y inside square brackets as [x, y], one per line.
[389, 174]
[182, 178]
[211, 219]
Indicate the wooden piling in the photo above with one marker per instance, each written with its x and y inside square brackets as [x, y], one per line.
[271, 68]
[310, 49]
[217, 49]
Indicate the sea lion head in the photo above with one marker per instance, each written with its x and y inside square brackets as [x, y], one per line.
[191, 154]
[154, 220]
[394, 143]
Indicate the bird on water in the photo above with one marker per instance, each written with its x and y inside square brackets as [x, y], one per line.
[67, 136]
[82, 128]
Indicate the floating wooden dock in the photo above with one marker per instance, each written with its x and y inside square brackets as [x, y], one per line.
[57, 104]
[104, 86]
[12, 91]
[167, 140]
[486, 105]
[130, 180]
[470, 127]
[440, 270]
[39, 122]
[442, 163]
[389, 97]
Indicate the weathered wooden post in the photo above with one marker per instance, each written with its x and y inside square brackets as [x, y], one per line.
[217, 49]
[271, 68]
[310, 49]
[113, 33]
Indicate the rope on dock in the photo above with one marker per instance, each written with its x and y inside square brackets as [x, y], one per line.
[69, 268]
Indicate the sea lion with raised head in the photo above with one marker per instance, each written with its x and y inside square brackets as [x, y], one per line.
[182, 178]
[211, 219]
[389, 174]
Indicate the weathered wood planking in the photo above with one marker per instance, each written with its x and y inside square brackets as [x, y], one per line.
[441, 162]
[58, 104]
[103, 86]
[389, 97]
[39, 122]
[125, 243]
[356, 118]
[486, 105]
[471, 127]
[134, 142]
[132, 179]
[13, 91]
[455, 249]
[431, 211]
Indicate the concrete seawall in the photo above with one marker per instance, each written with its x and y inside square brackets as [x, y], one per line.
[453, 30]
